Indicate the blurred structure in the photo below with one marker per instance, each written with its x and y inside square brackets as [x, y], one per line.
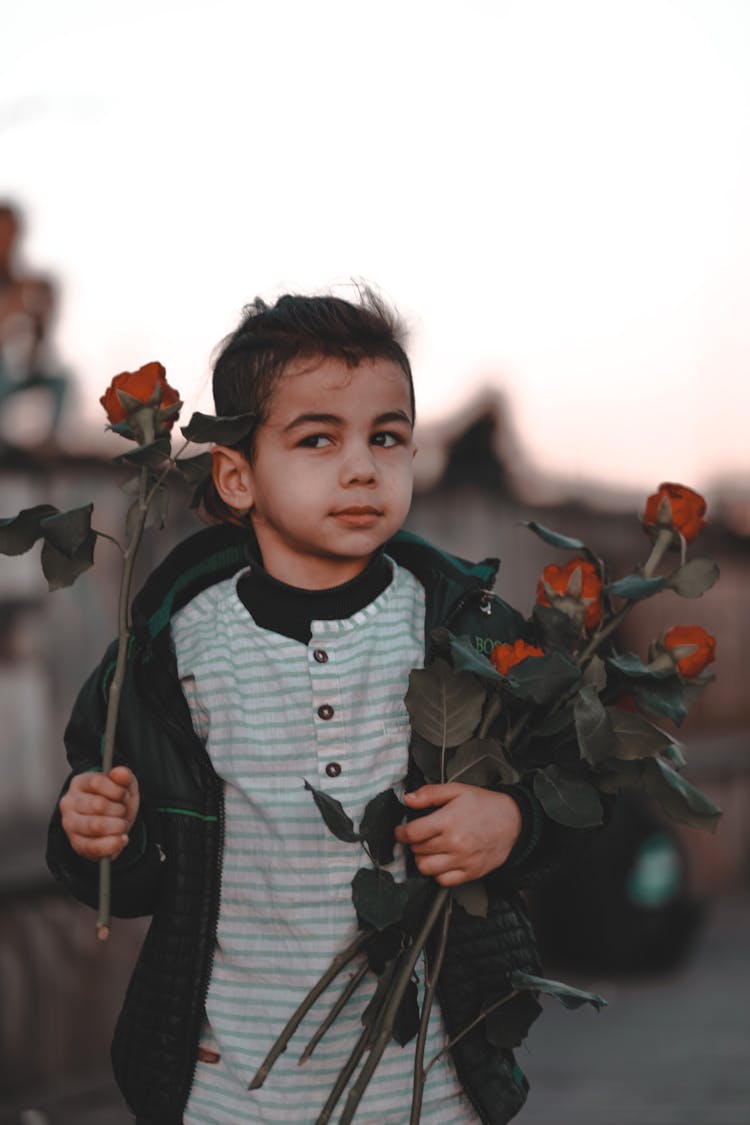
[27, 309]
[60, 990]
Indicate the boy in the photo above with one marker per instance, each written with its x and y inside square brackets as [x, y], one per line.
[274, 648]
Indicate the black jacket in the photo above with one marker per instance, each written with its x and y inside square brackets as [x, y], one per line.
[171, 868]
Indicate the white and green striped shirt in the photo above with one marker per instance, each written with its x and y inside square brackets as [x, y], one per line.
[274, 713]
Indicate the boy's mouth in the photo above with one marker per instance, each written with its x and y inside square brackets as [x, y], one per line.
[357, 515]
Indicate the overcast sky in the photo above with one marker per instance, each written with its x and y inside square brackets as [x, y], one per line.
[554, 194]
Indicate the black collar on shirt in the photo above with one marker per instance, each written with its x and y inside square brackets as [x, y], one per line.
[289, 610]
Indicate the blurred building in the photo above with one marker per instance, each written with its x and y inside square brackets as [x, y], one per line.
[60, 991]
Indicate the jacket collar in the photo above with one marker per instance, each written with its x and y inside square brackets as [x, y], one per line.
[216, 553]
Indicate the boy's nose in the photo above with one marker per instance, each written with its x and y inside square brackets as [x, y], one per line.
[359, 467]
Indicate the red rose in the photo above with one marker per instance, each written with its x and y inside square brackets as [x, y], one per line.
[504, 657]
[141, 384]
[678, 507]
[701, 646]
[575, 588]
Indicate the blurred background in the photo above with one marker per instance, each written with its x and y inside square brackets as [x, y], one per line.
[554, 196]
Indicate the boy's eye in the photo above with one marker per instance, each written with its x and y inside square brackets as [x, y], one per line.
[387, 438]
[315, 441]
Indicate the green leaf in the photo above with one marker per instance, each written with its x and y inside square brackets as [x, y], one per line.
[444, 705]
[193, 470]
[617, 775]
[427, 757]
[665, 696]
[131, 486]
[595, 674]
[381, 816]
[18, 534]
[406, 1023]
[569, 997]
[129, 403]
[508, 1025]
[542, 679]
[567, 800]
[378, 899]
[554, 538]
[554, 723]
[594, 729]
[68, 531]
[480, 761]
[61, 570]
[693, 578]
[156, 515]
[472, 897]
[633, 667]
[467, 659]
[554, 628]
[635, 737]
[693, 690]
[674, 755]
[635, 586]
[123, 430]
[334, 816]
[678, 798]
[224, 431]
[153, 455]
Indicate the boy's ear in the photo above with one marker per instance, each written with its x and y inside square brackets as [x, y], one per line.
[233, 478]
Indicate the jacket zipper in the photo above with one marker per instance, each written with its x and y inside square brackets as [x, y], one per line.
[211, 937]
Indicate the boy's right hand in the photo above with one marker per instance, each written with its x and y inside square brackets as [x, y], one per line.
[98, 811]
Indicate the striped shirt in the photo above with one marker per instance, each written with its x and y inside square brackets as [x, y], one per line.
[274, 713]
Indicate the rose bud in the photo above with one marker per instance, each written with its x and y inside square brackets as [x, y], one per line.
[575, 589]
[690, 648]
[150, 387]
[505, 656]
[677, 507]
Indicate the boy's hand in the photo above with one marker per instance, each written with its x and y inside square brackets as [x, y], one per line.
[98, 811]
[470, 833]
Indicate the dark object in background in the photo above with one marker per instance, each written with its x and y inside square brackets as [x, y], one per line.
[623, 905]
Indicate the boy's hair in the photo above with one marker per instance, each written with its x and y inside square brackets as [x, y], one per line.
[254, 357]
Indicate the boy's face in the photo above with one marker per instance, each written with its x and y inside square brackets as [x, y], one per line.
[331, 478]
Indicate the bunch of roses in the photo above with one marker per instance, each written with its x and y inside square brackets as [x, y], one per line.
[556, 709]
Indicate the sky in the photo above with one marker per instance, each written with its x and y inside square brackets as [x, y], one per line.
[553, 194]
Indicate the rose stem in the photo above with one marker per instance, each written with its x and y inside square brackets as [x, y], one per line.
[429, 998]
[394, 1000]
[115, 690]
[356, 1054]
[338, 963]
[348, 992]
[662, 542]
[469, 1027]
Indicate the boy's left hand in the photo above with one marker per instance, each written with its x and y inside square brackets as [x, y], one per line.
[470, 833]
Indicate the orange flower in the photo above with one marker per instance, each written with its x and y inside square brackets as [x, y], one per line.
[699, 646]
[504, 656]
[141, 384]
[678, 507]
[575, 588]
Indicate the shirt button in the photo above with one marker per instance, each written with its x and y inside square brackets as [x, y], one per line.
[320, 655]
[326, 711]
[333, 769]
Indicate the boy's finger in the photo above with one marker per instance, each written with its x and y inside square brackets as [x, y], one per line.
[121, 775]
[101, 784]
[428, 795]
[434, 864]
[97, 848]
[96, 827]
[417, 831]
